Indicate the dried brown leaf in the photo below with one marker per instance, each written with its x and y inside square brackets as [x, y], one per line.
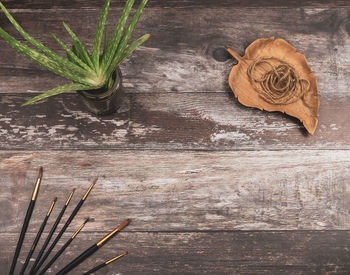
[304, 108]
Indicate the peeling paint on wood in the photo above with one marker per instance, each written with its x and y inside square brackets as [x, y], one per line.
[167, 121]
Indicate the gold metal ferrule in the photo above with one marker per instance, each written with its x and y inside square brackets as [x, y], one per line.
[37, 184]
[51, 207]
[110, 235]
[116, 258]
[70, 197]
[79, 229]
[88, 191]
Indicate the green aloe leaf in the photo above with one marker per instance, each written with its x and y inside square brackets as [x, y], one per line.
[77, 51]
[113, 44]
[60, 60]
[128, 33]
[41, 59]
[133, 46]
[86, 71]
[79, 45]
[71, 54]
[98, 36]
[59, 90]
[128, 51]
[105, 43]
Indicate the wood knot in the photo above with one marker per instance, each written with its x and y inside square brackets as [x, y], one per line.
[220, 54]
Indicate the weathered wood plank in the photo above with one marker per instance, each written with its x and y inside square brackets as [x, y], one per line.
[174, 102]
[180, 191]
[208, 121]
[301, 252]
[177, 3]
[186, 52]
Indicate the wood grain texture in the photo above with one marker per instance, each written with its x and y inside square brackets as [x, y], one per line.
[181, 158]
[46, 4]
[201, 121]
[186, 52]
[181, 191]
[307, 252]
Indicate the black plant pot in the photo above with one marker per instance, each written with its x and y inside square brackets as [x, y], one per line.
[101, 102]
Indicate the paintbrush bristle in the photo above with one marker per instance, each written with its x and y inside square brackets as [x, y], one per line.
[89, 189]
[124, 223]
[117, 257]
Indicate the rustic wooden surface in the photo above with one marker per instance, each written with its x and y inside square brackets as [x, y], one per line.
[47, 4]
[235, 252]
[211, 187]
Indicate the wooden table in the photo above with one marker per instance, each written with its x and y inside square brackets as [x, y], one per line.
[211, 187]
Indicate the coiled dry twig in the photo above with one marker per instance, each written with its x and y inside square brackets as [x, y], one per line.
[280, 85]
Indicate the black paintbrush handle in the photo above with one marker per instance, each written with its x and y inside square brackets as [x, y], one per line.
[21, 236]
[75, 211]
[36, 240]
[95, 269]
[52, 231]
[88, 252]
[54, 258]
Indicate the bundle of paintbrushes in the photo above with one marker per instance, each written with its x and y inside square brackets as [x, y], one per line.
[40, 266]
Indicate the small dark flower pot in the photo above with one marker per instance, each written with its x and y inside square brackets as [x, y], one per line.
[101, 102]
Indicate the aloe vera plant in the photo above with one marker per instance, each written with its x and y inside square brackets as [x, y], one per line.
[87, 71]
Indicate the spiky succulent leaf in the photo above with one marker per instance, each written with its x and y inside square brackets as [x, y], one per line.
[80, 46]
[105, 43]
[77, 51]
[60, 60]
[59, 90]
[107, 56]
[41, 59]
[98, 36]
[133, 46]
[128, 51]
[127, 35]
[71, 54]
[86, 71]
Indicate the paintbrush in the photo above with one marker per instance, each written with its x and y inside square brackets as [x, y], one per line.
[91, 250]
[75, 211]
[37, 238]
[26, 221]
[54, 258]
[105, 263]
[52, 231]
